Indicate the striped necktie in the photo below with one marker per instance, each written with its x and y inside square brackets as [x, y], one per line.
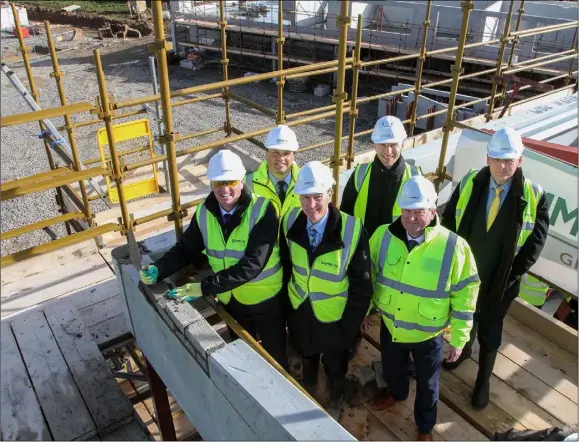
[494, 209]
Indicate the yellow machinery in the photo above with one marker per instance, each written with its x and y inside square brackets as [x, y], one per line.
[132, 130]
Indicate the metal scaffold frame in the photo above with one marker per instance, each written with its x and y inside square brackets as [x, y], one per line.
[108, 110]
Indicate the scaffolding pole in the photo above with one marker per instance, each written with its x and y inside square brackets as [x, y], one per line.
[418, 84]
[456, 70]
[353, 108]
[169, 138]
[281, 79]
[343, 23]
[57, 74]
[499, 70]
[224, 65]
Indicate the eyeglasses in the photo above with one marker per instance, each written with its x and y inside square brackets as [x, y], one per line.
[225, 183]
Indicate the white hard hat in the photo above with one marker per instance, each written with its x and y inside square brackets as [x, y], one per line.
[225, 166]
[417, 193]
[282, 138]
[389, 129]
[505, 144]
[314, 177]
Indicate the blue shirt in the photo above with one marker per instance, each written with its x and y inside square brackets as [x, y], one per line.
[492, 191]
[274, 180]
[319, 227]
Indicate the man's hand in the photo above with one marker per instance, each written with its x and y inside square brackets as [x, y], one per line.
[453, 354]
[365, 324]
[188, 292]
[149, 275]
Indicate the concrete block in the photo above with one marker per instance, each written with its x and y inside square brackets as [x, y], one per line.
[268, 402]
[204, 340]
[380, 381]
[182, 314]
[365, 374]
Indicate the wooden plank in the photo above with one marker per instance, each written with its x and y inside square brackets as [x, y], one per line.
[454, 404]
[547, 361]
[106, 331]
[554, 404]
[94, 294]
[101, 311]
[131, 431]
[53, 281]
[505, 397]
[101, 393]
[61, 402]
[457, 395]
[20, 414]
[553, 330]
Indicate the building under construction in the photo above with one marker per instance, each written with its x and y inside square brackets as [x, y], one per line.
[85, 345]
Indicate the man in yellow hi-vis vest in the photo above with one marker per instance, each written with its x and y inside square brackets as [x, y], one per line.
[237, 232]
[533, 290]
[505, 219]
[330, 286]
[425, 279]
[371, 193]
[275, 177]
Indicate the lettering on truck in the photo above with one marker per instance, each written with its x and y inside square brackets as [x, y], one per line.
[565, 223]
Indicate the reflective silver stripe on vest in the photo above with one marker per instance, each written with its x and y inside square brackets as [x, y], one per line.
[537, 190]
[462, 284]
[316, 296]
[203, 223]
[413, 326]
[291, 217]
[300, 270]
[222, 254]
[362, 170]
[466, 316]
[413, 170]
[267, 273]
[254, 216]
[348, 240]
[445, 269]
[528, 226]
[249, 182]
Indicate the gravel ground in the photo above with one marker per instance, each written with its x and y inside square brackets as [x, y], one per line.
[128, 76]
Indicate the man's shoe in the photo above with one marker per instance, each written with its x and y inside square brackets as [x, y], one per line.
[466, 353]
[427, 436]
[385, 402]
[480, 395]
[336, 399]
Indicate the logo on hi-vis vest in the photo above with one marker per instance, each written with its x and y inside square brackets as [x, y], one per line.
[329, 264]
[238, 241]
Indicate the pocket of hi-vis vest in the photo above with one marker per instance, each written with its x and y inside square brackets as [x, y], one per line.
[384, 301]
[391, 265]
[433, 309]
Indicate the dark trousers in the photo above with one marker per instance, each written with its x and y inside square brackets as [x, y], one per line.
[427, 358]
[270, 329]
[488, 326]
[335, 364]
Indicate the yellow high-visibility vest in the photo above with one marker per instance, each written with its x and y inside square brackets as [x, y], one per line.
[531, 194]
[533, 290]
[420, 293]
[222, 255]
[362, 186]
[325, 284]
[258, 182]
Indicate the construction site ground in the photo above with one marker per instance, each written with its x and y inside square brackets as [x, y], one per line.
[126, 66]
[534, 383]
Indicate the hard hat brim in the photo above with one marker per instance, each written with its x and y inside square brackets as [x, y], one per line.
[237, 176]
[288, 147]
[417, 206]
[506, 156]
[310, 190]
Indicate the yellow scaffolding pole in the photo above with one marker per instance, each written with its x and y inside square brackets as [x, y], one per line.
[353, 109]
[224, 64]
[456, 70]
[280, 80]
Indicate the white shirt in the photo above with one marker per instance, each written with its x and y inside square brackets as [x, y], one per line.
[225, 212]
[419, 240]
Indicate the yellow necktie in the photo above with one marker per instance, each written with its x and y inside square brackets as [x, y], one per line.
[494, 209]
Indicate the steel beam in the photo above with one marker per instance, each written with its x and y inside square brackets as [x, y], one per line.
[161, 403]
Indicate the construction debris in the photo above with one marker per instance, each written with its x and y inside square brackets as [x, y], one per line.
[364, 374]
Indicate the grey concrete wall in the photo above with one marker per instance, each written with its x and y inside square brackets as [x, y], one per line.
[227, 390]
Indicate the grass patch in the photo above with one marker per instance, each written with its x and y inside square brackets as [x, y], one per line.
[116, 8]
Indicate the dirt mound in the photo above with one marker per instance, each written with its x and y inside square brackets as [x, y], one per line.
[87, 20]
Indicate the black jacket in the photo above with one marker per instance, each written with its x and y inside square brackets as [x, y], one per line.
[382, 194]
[189, 248]
[506, 280]
[306, 332]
